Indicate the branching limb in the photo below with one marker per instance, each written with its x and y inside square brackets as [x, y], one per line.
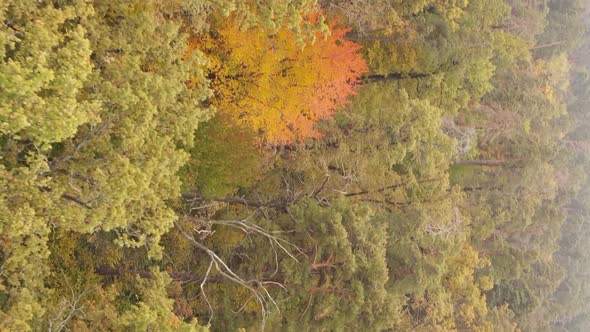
[70, 308]
[262, 297]
[249, 227]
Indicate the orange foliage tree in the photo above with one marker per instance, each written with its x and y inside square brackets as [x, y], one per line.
[271, 85]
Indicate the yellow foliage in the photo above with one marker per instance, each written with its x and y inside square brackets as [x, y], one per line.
[271, 85]
[472, 307]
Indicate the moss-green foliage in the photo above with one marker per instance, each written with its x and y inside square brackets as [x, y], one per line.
[222, 160]
[344, 276]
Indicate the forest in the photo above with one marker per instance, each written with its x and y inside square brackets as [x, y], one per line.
[295, 165]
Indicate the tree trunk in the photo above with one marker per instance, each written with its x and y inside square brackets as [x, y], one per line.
[393, 76]
[546, 45]
[392, 187]
[358, 38]
[487, 162]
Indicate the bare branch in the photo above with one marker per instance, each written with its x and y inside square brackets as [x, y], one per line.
[248, 227]
[204, 294]
[70, 308]
[447, 229]
[316, 192]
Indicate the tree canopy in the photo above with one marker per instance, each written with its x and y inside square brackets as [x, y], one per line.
[294, 165]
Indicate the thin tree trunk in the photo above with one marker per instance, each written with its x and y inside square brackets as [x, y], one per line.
[389, 39]
[382, 189]
[393, 77]
[486, 162]
[546, 45]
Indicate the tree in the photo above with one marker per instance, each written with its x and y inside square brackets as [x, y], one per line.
[223, 159]
[95, 114]
[154, 310]
[342, 281]
[273, 86]
[45, 65]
